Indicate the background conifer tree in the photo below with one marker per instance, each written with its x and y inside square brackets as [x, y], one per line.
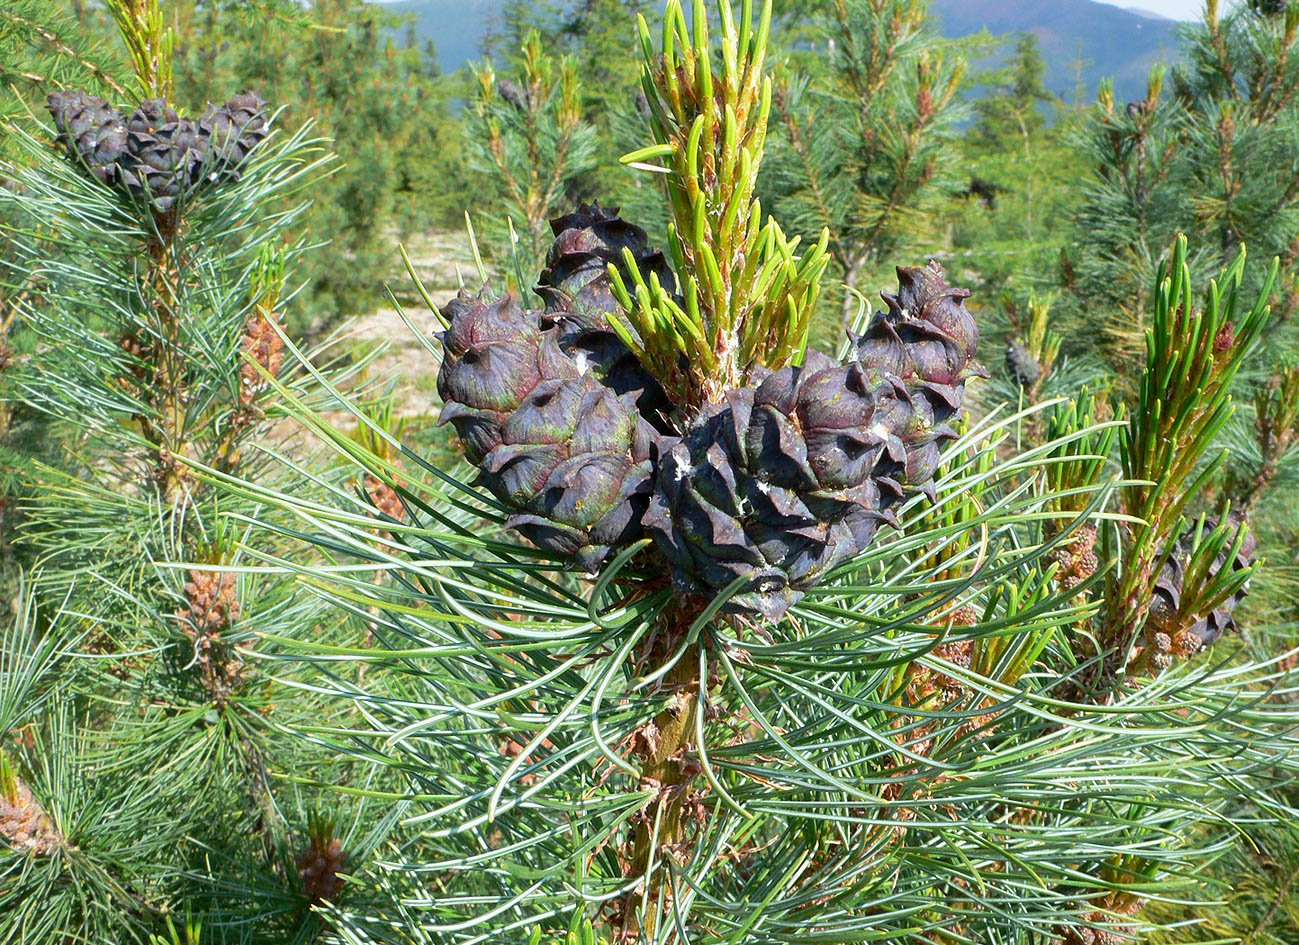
[530, 137]
[865, 136]
[1209, 152]
[378, 97]
[145, 778]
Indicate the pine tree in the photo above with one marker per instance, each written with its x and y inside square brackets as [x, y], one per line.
[793, 650]
[865, 149]
[144, 773]
[529, 136]
[41, 48]
[1207, 152]
[1012, 110]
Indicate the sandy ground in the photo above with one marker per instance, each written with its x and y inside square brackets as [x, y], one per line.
[404, 360]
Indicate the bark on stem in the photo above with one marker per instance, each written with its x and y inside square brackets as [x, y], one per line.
[669, 765]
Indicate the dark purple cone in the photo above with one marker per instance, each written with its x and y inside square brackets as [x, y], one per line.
[565, 451]
[92, 132]
[1167, 598]
[927, 339]
[155, 156]
[164, 155]
[579, 299]
[231, 132]
[576, 278]
[1021, 366]
[781, 483]
[789, 478]
[716, 522]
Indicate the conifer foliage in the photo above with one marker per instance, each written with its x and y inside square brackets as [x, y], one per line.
[764, 718]
[139, 739]
[1209, 152]
[866, 149]
[531, 137]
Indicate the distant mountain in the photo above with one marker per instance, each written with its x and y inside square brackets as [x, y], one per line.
[1111, 41]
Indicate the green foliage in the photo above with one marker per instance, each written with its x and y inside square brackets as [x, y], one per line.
[746, 300]
[529, 136]
[253, 663]
[43, 48]
[1208, 152]
[1016, 94]
[139, 717]
[338, 63]
[865, 151]
[918, 750]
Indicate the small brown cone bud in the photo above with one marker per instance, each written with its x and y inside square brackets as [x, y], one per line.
[213, 599]
[23, 822]
[320, 863]
[265, 351]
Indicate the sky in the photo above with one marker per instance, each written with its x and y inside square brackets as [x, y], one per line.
[1174, 9]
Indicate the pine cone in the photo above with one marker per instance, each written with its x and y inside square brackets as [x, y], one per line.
[569, 454]
[576, 278]
[1164, 607]
[512, 93]
[319, 866]
[927, 336]
[786, 480]
[264, 347]
[164, 155]
[1021, 366]
[91, 131]
[576, 288]
[156, 156]
[783, 481]
[231, 132]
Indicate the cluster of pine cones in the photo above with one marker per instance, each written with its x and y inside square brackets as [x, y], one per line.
[154, 156]
[761, 494]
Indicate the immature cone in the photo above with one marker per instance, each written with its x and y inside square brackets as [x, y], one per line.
[91, 131]
[577, 290]
[924, 346]
[1021, 366]
[156, 156]
[163, 157]
[231, 131]
[576, 278]
[319, 866]
[1185, 640]
[570, 455]
[23, 822]
[781, 482]
[927, 337]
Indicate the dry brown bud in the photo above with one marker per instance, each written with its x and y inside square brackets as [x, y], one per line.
[318, 867]
[24, 823]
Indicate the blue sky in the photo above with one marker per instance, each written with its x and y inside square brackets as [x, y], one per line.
[1176, 9]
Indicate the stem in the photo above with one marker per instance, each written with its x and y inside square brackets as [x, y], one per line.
[669, 766]
[1282, 895]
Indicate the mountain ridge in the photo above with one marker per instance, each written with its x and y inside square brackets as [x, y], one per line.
[1110, 41]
